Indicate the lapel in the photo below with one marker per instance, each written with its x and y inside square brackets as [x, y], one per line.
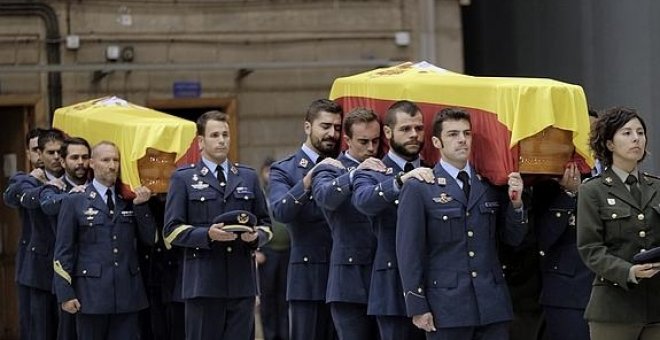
[477, 190]
[120, 204]
[391, 164]
[617, 188]
[647, 189]
[233, 180]
[205, 175]
[347, 162]
[451, 185]
[96, 201]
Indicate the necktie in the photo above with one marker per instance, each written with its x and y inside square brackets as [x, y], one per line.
[408, 167]
[221, 176]
[319, 159]
[109, 201]
[634, 190]
[463, 177]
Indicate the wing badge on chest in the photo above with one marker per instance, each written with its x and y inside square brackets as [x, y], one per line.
[444, 198]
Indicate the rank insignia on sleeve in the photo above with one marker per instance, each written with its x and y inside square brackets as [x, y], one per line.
[303, 162]
[204, 171]
[444, 198]
[442, 181]
[199, 185]
[611, 201]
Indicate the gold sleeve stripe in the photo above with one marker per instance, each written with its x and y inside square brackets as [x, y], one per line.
[61, 272]
[172, 236]
[267, 231]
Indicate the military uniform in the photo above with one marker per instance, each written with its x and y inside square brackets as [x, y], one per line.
[219, 278]
[567, 281]
[96, 262]
[310, 248]
[353, 248]
[376, 195]
[612, 228]
[446, 249]
[18, 184]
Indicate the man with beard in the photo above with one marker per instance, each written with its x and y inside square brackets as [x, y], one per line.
[353, 241]
[446, 241]
[75, 160]
[96, 263]
[291, 202]
[12, 197]
[219, 273]
[39, 254]
[376, 194]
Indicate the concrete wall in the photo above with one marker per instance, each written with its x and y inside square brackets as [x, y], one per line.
[271, 102]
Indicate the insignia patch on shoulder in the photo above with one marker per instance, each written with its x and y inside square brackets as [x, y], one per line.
[442, 181]
[234, 170]
[204, 171]
[303, 162]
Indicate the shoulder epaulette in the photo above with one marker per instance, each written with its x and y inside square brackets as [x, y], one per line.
[243, 166]
[290, 157]
[186, 167]
[650, 175]
[590, 178]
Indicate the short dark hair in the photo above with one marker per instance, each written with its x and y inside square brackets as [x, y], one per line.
[450, 113]
[606, 126]
[74, 141]
[210, 115]
[404, 106]
[358, 115]
[33, 133]
[322, 105]
[50, 135]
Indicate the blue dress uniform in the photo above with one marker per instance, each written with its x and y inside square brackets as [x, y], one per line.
[96, 262]
[446, 248]
[39, 257]
[566, 280]
[353, 248]
[310, 247]
[12, 196]
[219, 278]
[50, 198]
[376, 195]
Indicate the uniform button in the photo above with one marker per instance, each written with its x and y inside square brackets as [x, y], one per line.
[146, 256]
[115, 250]
[334, 182]
[305, 259]
[558, 214]
[84, 271]
[114, 237]
[389, 264]
[380, 193]
[202, 199]
[116, 264]
[296, 202]
[339, 189]
[90, 224]
[420, 290]
[444, 218]
[602, 279]
[350, 260]
[158, 250]
[503, 266]
[229, 249]
[541, 252]
[396, 201]
[246, 197]
[555, 267]
[24, 242]
[284, 201]
[640, 217]
[474, 274]
[642, 250]
[614, 215]
[196, 248]
[642, 234]
[33, 248]
[222, 184]
[470, 233]
[471, 253]
[310, 197]
[615, 284]
[467, 214]
[435, 283]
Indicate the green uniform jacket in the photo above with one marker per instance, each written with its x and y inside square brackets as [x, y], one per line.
[612, 228]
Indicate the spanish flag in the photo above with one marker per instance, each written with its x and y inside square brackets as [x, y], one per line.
[503, 111]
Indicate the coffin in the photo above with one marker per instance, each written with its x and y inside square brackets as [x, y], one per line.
[151, 143]
[529, 125]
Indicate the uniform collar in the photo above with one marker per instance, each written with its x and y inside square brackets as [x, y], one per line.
[453, 171]
[623, 175]
[311, 154]
[100, 188]
[402, 162]
[213, 167]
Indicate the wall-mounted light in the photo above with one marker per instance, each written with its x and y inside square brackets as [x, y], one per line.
[112, 53]
[402, 38]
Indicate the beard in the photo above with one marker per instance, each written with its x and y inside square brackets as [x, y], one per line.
[401, 150]
[325, 148]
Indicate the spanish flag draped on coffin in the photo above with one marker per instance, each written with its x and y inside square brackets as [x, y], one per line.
[518, 124]
[151, 143]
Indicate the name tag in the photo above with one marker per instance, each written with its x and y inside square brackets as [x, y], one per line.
[242, 190]
[127, 213]
[492, 204]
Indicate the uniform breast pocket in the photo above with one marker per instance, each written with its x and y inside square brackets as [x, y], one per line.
[89, 229]
[614, 219]
[446, 225]
[202, 205]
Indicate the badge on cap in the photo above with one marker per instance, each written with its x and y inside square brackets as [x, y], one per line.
[303, 162]
[442, 181]
[204, 171]
[611, 201]
[444, 198]
[243, 218]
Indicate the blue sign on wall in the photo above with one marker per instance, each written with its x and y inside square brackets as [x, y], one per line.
[187, 89]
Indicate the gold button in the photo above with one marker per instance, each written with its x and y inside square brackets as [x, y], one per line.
[444, 218]
[614, 215]
[542, 253]
[471, 253]
[642, 234]
[470, 233]
[558, 214]
[640, 217]
[474, 274]
[115, 250]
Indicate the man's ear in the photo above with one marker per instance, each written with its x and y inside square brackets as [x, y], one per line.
[308, 128]
[437, 142]
[388, 132]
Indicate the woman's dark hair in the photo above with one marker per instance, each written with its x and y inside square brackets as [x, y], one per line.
[608, 123]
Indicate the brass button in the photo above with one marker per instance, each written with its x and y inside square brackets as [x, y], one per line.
[470, 233]
[642, 234]
[471, 253]
[640, 217]
[474, 274]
